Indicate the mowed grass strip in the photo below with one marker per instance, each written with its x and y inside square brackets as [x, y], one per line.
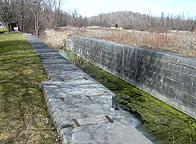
[3, 29]
[23, 111]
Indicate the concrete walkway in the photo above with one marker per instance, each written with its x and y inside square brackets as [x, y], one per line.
[81, 109]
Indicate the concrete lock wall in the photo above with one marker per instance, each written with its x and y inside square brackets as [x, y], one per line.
[167, 76]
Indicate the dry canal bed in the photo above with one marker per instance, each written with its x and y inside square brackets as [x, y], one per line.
[162, 123]
[81, 109]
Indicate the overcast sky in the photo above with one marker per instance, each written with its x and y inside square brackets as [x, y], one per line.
[95, 7]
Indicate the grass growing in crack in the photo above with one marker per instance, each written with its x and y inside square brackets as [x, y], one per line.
[23, 112]
[167, 124]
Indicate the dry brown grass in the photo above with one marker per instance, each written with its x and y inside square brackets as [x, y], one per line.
[54, 39]
[174, 41]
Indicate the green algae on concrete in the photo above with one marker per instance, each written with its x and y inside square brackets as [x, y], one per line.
[167, 124]
[23, 112]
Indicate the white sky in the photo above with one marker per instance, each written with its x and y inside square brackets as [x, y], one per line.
[95, 7]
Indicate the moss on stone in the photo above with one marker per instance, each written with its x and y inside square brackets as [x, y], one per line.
[167, 124]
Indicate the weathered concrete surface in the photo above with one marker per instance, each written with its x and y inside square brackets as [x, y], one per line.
[81, 109]
[167, 76]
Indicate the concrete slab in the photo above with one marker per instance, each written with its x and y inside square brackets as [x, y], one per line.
[64, 115]
[68, 66]
[103, 133]
[81, 87]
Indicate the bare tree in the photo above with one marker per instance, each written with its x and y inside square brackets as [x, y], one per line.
[33, 16]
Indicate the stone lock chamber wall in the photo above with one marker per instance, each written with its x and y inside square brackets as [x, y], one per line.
[167, 76]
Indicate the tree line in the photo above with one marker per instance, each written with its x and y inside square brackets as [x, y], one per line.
[37, 15]
[133, 20]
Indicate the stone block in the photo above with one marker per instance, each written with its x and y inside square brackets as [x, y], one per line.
[177, 84]
[175, 75]
[103, 133]
[64, 75]
[176, 92]
[186, 79]
[170, 57]
[167, 81]
[61, 67]
[165, 87]
[165, 72]
[172, 67]
[64, 114]
[82, 87]
[182, 69]
[169, 95]
[187, 61]
[191, 99]
[191, 90]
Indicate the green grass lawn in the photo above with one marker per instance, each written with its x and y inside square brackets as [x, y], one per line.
[23, 112]
[3, 30]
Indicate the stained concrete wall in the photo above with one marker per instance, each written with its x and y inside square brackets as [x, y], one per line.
[167, 76]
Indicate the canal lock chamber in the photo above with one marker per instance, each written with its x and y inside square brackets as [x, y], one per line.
[158, 121]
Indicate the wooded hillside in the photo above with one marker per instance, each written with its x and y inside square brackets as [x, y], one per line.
[132, 20]
[37, 15]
